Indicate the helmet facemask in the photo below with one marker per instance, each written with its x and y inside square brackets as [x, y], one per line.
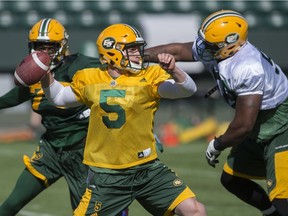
[217, 51]
[50, 36]
[127, 62]
[205, 50]
[56, 51]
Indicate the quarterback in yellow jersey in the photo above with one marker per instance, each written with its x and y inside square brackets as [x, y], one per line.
[120, 150]
[126, 111]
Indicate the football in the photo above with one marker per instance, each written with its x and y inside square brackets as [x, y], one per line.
[32, 68]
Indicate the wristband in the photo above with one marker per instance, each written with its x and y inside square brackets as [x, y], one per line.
[218, 145]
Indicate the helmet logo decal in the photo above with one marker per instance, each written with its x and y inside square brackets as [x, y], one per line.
[108, 43]
[232, 38]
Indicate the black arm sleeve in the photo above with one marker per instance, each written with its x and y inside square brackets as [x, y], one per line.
[14, 97]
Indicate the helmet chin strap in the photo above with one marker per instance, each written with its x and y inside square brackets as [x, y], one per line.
[134, 68]
[59, 55]
[55, 62]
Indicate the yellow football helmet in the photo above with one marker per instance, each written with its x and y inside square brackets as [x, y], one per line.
[221, 35]
[50, 32]
[113, 43]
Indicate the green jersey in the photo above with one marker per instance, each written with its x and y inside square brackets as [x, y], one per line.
[64, 126]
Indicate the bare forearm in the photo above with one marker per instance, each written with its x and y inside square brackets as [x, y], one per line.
[243, 123]
[180, 51]
[234, 135]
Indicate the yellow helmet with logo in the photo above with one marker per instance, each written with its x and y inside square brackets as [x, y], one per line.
[49, 31]
[113, 42]
[221, 35]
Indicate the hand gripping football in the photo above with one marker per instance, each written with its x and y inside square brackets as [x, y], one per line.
[32, 68]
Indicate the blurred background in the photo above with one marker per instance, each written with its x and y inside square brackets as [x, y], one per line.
[160, 22]
[187, 124]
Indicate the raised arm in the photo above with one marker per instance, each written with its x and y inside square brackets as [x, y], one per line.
[58, 94]
[180, 51]
[181, 85]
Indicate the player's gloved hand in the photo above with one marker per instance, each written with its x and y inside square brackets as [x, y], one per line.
[212, 153]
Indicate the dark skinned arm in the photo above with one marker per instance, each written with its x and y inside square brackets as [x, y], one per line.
[180, 51]
[246, 112]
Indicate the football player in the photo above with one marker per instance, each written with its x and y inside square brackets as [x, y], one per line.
[61, 147]
[253, 85]
[120, 148]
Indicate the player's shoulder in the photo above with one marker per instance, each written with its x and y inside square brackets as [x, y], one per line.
[153, 69]
[78, 58]
[75, 62]
[87, 76]
[248, 57]
[154, 73]
[86, 72]
[248, 53]
[245, 64]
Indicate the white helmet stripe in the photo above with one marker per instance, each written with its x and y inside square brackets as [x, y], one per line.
[43, 30]
[219, 15]
[137, 33]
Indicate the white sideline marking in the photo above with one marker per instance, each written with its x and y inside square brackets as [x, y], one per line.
[29, 213]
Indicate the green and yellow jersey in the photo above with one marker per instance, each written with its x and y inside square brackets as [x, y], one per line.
[64, 126]
[122, 115]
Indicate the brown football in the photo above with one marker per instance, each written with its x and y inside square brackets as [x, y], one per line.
[32, 68]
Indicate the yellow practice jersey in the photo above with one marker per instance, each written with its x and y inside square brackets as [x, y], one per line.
[122, 115]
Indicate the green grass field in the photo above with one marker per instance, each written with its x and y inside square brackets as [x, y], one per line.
[187, 160]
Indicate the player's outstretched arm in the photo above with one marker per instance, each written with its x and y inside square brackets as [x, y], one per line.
[58, 94]
[180, 51]
[181, 85]
[14, 97]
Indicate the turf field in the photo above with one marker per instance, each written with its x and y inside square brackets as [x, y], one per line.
[187, 160]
